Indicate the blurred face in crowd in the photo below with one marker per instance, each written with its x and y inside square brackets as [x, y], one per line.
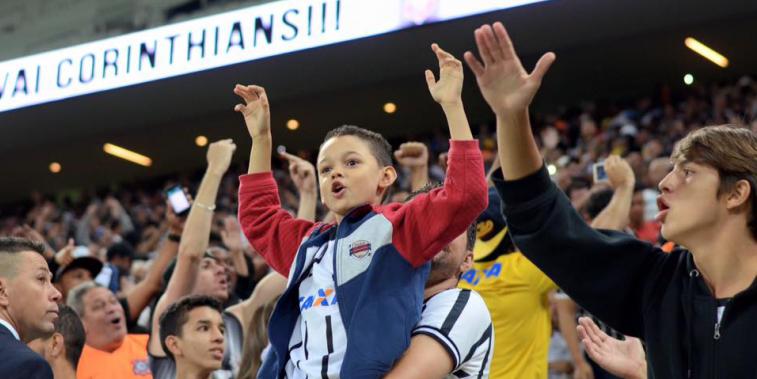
[224, 256]
[201, 343]
[71, 279]
[689, 205]
[636, 216]
[452, 261]
[123, 263]
[28, 298]
[350, 175]
[658, 169]
[103, 319]
[212, 279]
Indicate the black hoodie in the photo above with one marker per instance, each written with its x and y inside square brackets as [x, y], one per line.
[633, 286]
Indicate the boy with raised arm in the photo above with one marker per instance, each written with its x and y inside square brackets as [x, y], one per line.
[356, 286]
[695, 308]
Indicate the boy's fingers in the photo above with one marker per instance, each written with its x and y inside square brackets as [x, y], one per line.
[430, 80]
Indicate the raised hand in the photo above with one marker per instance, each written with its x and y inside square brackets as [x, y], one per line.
[625, 359]
[505, 85]
[66, 254]
[219, 156]
[413, 155]
[302, 173]
[449, 87]
[619, 172]
[232, 234]
[255, 109]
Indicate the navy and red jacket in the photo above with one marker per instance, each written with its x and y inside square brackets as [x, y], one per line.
[380, 260]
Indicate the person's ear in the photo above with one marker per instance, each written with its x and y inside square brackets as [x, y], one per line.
[388, 177]
[739, 195]
[172, 343]
[467, 262]
[56, 346]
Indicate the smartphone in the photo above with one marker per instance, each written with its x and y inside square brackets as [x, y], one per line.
[600, 175]
[179, 201]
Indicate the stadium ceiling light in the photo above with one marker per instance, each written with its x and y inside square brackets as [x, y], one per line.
[390, 108]
[55, 167]
[688, 79]
[707, 52]
[126, 154]
[293, 124]
[201, 141]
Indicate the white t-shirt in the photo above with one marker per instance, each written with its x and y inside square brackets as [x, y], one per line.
[459, 320]
[317, 346]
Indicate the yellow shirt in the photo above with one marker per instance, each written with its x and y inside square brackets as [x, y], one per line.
[516, 293]
[129, 361]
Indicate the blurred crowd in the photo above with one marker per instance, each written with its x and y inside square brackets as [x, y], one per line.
[126, 227]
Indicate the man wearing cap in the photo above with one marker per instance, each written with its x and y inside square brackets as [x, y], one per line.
[516, 293]
[80, 270]
[28, 308]
[85, 268]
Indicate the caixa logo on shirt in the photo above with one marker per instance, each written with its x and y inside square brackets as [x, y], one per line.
[360, 249]
[474, 277]
[325, 297]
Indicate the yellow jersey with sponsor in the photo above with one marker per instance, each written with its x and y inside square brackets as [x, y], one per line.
[516, 293]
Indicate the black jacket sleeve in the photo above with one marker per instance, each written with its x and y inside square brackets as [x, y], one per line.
[610, 274]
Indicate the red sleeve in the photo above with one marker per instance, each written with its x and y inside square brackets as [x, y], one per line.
[272, 231]
[430, 221]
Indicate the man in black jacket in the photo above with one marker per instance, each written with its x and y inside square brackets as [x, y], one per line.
[28, 308]
[696, 309]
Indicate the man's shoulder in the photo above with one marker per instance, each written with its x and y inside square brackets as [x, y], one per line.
[456, 303]
[18, 359]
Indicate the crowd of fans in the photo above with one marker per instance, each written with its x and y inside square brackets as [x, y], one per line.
[113, 252]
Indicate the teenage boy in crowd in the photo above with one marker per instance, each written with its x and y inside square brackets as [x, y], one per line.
[192, 335]
[694, 308]
[372, 262]
[63, 348]
[197, 272]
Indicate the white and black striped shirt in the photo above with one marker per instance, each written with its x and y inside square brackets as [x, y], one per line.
[319, 341]
[459, 320]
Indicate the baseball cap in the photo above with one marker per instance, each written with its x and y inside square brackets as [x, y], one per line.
[492, 239]
[91, 264]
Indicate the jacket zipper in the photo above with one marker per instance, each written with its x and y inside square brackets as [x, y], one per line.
[716, 338]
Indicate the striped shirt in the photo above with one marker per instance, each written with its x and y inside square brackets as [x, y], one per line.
[319, 341]
[459, 320]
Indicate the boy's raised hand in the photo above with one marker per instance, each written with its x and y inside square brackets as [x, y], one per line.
[505, 85]
[449, 87]
[255, 109]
